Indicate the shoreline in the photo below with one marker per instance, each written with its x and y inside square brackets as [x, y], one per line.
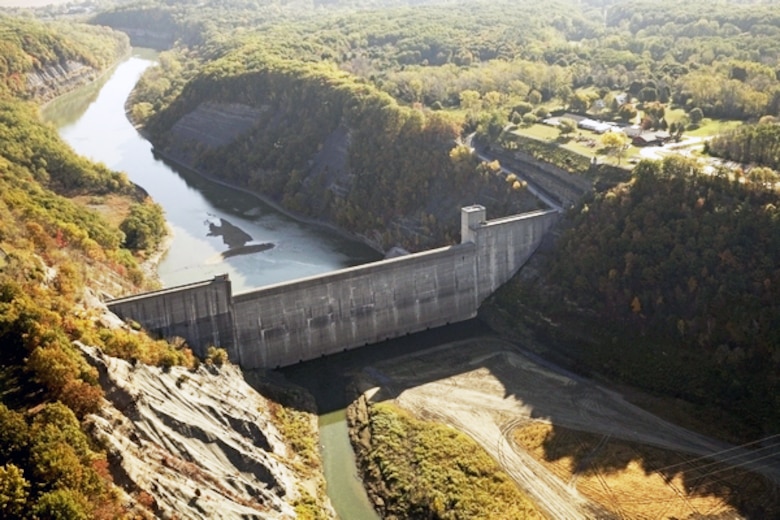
[99, 74]
[262, 198]
[150, 265]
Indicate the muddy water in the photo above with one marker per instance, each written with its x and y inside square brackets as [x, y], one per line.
[216, 230]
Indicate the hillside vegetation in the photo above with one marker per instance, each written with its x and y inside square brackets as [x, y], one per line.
[55, 255]
[427, 470]
[669, 282]
[405, 176]
[33, 55]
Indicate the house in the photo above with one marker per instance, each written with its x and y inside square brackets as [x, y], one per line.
[649, 138]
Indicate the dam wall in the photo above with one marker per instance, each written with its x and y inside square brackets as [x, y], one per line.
[353, 307]
[286, 323]
[200, 312]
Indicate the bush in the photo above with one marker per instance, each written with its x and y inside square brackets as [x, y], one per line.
[216, 356]
[62, 504]
[13, 492]
[529, 119]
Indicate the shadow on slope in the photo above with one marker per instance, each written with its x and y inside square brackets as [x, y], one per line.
[463, 373]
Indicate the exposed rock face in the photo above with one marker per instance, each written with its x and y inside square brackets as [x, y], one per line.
[212, 125]
[200, 444]
[54, 80]
[148, 37]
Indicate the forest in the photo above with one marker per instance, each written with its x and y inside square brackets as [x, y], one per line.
[452, 74]
[669, 282]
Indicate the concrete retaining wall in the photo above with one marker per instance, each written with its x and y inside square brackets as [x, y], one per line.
[199, 312]
[304, 319]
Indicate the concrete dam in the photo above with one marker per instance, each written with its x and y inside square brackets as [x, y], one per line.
[283, 324]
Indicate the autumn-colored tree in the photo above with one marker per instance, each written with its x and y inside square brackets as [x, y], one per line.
[566, 127]
[14, 492]
[614, 144]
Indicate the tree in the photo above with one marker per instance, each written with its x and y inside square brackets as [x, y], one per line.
[144, 227]
[492, 99]
[695, 115]
[648, 94]
[627, 112]
[534, 97]
[14, 434]
[566, 127]
[614, 144]
[523, 108]
[62, 504]
[492, 126]
[470, 100]
[530, 120]
[13, 492]
[579, 102]
[763, 176]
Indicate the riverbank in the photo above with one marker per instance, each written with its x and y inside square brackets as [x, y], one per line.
[177, 163]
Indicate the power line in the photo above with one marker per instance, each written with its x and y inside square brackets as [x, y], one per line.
[721, 452]
[739, 465]
[747, 457]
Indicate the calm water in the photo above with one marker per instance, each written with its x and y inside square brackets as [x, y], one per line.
[201, 213]
[208, 220]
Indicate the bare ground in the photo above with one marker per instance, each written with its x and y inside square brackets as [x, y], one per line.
[488, 389]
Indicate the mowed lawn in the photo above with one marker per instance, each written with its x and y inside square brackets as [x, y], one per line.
[583, 142]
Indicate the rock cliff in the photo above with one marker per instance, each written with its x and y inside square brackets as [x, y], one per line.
[53, 80]
[196, 444]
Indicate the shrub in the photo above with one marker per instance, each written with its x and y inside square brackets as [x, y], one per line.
[13, 492]
[216, 356]
[144, 227]
[62, 504]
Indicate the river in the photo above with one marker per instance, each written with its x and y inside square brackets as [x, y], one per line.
[207, 219]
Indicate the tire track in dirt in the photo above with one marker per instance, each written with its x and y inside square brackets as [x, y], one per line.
[486, 388]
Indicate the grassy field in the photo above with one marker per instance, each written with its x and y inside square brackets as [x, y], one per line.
[639, 481]
[583, 142]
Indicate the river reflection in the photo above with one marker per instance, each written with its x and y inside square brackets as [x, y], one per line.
[92, 120]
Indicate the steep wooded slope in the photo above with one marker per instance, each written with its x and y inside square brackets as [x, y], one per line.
[670, 283]
[330, 146]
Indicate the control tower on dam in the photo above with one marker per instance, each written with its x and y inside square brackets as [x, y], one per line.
[283, 324]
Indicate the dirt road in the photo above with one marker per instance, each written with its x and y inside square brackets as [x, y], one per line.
[486, 387]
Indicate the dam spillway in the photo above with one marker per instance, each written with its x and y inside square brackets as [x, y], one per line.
[283, 324]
